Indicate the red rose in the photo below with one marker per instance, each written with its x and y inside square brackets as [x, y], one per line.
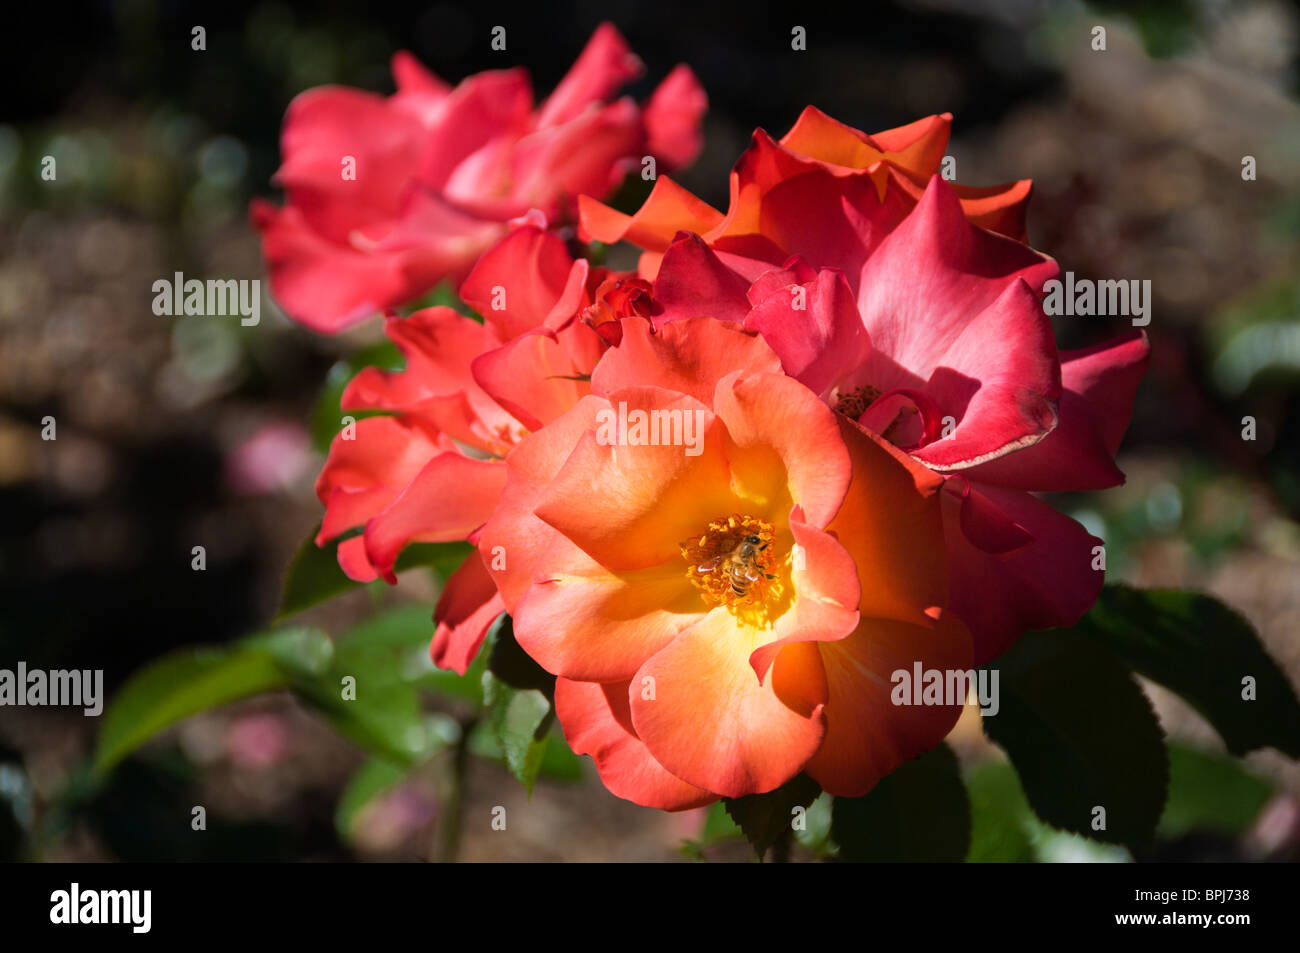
[387, 196]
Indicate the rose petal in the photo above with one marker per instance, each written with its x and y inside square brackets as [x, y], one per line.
[597, 721]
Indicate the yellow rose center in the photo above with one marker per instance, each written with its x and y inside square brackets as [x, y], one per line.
[735, 563]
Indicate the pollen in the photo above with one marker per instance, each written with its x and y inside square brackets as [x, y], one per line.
[504, 437]
[735, 563]
[852, 403]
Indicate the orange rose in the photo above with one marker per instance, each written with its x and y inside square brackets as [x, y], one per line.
[723, 574]
[784, 193]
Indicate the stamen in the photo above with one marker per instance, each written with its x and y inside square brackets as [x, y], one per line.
[852, 403]
[734, 564]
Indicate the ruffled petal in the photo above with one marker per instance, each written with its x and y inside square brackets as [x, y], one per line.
[693, 282]
[327, 125]
[672, 119]
[438, 385]
[1049, 582]
[354, 562]
[517, 282]
[533, 377]
[711, 723]
[597, 721]
[587, 156]
[890, 523]
[330, 287]
[485, 110]
[929, 279]
[799, 206]
[466, 609]
[586, 622]
[1099, 384]
[604, 65]
[784, 448]
[688, 356]
[629, 505]
[514, 542]
[447, 500]
[815, 328]
[668, 210]
[826, 593]
[1003, 397]
[867, 735]
[367, 467]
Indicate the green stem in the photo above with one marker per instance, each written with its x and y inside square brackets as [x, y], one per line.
[451, 815]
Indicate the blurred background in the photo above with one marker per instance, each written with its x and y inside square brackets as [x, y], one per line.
[174, 431]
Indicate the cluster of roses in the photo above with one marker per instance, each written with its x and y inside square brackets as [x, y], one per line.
[862, 345]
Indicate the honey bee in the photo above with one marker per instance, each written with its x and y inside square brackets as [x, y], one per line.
[740, 564]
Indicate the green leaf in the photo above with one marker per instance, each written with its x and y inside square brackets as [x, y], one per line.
[519, 729]
[1201, 649]
[1081, 735]
[718, 825]
[815, 834]
[1061, 847]
[765, 819]
[374, 778]
[301, 651]
[189, 681]
[1001, 819]
[558, 760]
[385, 716]
[389, 635]
[398, 640]
[467, 688]
[919, 813]
[520, 720]
[718, 828]
[1210, 792]
[314, 575]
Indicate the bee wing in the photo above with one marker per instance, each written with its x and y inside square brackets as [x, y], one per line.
[708, 565]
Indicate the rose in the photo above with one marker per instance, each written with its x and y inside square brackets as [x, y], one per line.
[388, 196]
[686, 669]
[784, 193]
[927, 329]
[432, 469]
